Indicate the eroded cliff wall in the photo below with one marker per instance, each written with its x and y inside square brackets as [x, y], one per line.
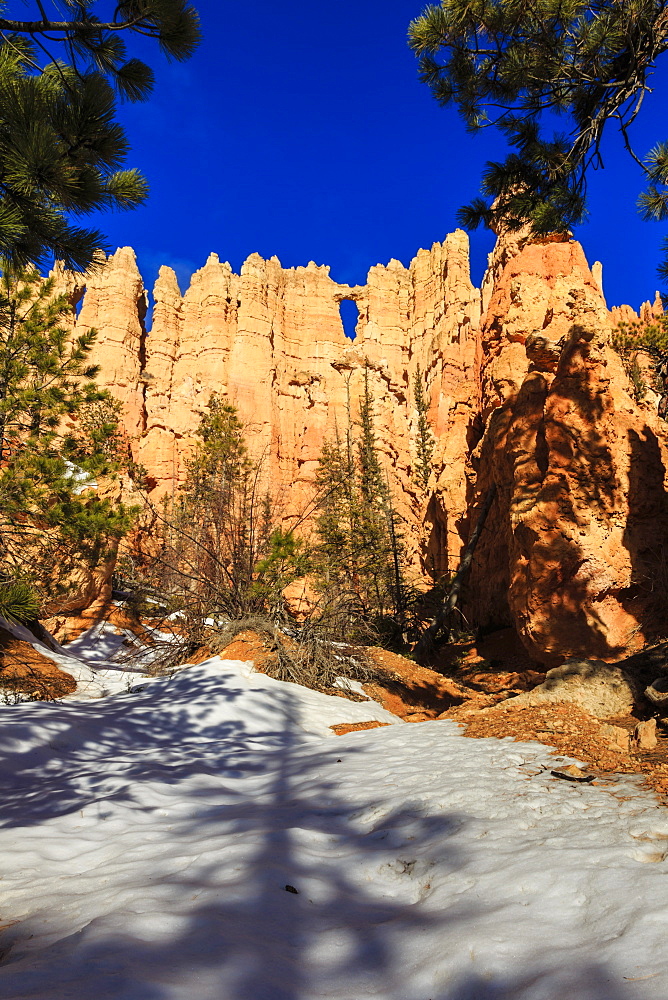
[272, 341]
[524, 389]
[579, 533]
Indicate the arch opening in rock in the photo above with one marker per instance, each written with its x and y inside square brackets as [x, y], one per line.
[349, 317]
[76, 297]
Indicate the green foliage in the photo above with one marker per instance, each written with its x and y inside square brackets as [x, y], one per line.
[97, 434]
[18, 601]
[286, 559]
[359, 551]
[61, 147]
[224, 554]
[44, 374]
[515, 65]
[651, 337]
[49, 520]
[339, 517]
[631, 340]
[220, 462]
[634, 372]
[425, 440]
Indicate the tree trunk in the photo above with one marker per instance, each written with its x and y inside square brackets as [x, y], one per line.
[426, 643]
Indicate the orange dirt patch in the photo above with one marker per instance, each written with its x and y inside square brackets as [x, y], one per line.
[407, 689]
[23, 670]
[604, 746]
[356, 727]
[202, 654]
[480, 680]
[247, 645]
[563, 726]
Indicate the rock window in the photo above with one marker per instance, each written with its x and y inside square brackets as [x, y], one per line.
[349, 317]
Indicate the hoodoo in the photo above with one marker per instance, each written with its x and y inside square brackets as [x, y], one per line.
[524, 390]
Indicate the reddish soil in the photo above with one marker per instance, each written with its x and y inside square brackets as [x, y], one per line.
[409, 690]
[480, 681]
[356, 727]
[571, 731]
[246, 645]
[23, 670]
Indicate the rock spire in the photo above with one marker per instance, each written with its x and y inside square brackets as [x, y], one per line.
[523, 387]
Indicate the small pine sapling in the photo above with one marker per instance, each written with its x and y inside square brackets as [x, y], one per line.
[632, 340]
[425, 440]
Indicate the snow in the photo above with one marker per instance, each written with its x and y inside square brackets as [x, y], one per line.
[90, 659]
[84, 480]
[147, 839]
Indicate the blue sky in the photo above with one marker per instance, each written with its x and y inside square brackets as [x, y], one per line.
[301, 130]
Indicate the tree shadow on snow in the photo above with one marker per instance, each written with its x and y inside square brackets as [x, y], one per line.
[356, 863]
[584, 982]
[207, 911]
[60, 758]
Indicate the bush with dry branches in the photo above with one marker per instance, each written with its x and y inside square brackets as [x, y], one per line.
[223, 562]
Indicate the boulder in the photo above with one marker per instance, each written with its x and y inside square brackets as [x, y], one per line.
[601, 689]
[644, 735]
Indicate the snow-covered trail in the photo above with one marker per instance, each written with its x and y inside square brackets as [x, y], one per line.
[147, 840]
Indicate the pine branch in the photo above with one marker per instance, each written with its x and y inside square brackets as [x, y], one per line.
[510, 64]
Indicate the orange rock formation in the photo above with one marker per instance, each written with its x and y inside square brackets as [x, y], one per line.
[524, 390]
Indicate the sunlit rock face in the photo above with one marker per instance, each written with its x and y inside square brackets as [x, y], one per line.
[524, 391]
[271, 340]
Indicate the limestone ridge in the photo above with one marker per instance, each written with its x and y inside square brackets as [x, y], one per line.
[528, 394]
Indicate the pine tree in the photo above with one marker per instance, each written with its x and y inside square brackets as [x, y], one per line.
[374, 536]
[359, 543]
[425, 441]
[221, 501]
[338, 521]
[225, 554]
[514, 65]
[61, 147]
[650, 339]
[49, 519]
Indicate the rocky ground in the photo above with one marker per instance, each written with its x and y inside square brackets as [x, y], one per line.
[26, 672]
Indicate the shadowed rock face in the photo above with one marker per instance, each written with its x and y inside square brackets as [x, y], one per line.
[529, 396]
[580, 467]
